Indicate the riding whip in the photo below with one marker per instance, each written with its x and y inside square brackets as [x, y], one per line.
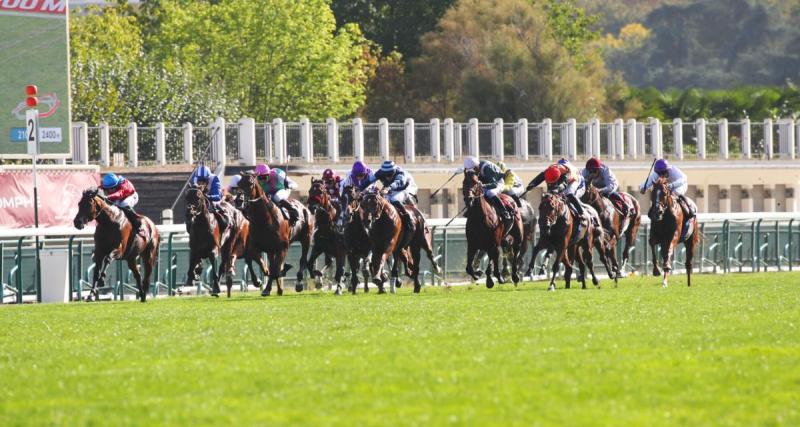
[457, 215]
[648, 173]
[458, 172]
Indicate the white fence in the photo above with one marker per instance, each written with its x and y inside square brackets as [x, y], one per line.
[303, 142]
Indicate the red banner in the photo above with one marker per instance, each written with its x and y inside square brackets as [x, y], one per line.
[59, 194]
[50, 7]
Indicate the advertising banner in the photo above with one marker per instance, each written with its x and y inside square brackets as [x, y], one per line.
[34, 52]
[59, 194]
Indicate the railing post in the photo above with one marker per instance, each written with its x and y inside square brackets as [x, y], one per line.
[746, 152]
[797, 136]
[572, 139]
[472, 138]
[655, 138]
[306, 143]
[787, 133]
[133, 145]
[435, 143]
[677, 137]
[700, 131]
[383, 137]
[333, 140]
[768, 138]
[105, 145]
[611, 140]
[632, 143]
[81, 151]
[521, 137]
[619, 139]
[358, 139]
[723, 139]
[279, 140]
[595, 130]
[219, 143]
[161, 145]
[408, 134]
[449, 141]
[247, 140]
[547, 139]
[498, 149]
[188, 136]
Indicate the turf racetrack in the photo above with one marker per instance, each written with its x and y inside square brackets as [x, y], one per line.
[725, 352]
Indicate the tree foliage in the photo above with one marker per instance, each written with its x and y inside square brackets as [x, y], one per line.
[505, 62]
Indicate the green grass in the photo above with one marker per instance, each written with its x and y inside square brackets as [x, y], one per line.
[725, 352]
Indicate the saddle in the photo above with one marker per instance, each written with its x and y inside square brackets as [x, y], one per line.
[626, 199]
[508, 203]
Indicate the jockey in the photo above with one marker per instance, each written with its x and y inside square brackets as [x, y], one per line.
[563, 177]
[512, 183]
[678, 184]
[213, 190]
[360, 177]
[121, 191]
[401, 187]
[601, 177]
[277, 185]
[493, 180]
[332, 181]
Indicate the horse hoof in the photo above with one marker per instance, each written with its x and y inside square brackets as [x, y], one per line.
[664, 284]
[338, 291]
[215, 294]
[417, 288]
[280, 292]
[595, 281]
[551, 288]
[317, 273]
[265, 293]
[298, 288]
[656, 272]
[489, 285]
[381, 291]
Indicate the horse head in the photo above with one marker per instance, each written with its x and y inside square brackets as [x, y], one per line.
[349, 210]
[195, 203]
[661, 198]
[551, 209]
[89, 207]
[592, 195]
[371, 207]
[249, 186]
[317, 196]
[470, 187]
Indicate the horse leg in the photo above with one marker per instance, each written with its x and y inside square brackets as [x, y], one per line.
[98, 279]
[588, 261]
[580, 253]
[149, 264]
[471, 251]
[216, 274]
[354, 262]
[566, 258]
[427, 246]
[376, 269]
[316, 251]
[556, 266]
[416, 258]
[134, 267]
[280, 257]
[532, 264]
[305, 243]
[488, 273]
[494, 256]
[274, 271]
[666, 256]
[339, 271]
[656, 271]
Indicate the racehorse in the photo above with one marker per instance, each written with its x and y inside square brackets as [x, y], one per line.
[114, 239]
[326, 240]
[270, 232]
[208, 240]
[389, 238]
[485, 232]
[667, 229]
[569, 237]
[353, 234]
[615, 224]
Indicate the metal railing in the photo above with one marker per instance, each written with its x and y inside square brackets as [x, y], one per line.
[730, 243]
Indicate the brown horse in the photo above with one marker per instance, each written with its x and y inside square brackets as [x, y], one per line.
[325, 239]
[208, 240]
[485, 232]
[615, 224]
[389, 238]
[353, 234]
[114, 239]
[668, 229]
[270, 232]
[570, 238]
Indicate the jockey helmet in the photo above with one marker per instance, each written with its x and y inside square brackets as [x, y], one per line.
[202, 173]
[552, 174]
[262, 169]
[661, 166]
[388, 167]
[593, 163]
[110, 180]
[235, 181]
[359, 168]
[471, 162]
[328, 175]
[563, 161]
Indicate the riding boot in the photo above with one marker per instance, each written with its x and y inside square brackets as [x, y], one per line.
[401, 210]
[688, 208]
[505, 215]
[517, 200]
[222, 217]
[576, 204]
[133, 218]
[619, 203]
[293, 216]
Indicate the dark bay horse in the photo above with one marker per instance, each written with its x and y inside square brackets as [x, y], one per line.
[326, 240]
[667, 230]
[354, 237]
[559, 234]
[114, 239]
[389, 238]
[208, 240]
[615, 224]
[485, 232]
[270, 232]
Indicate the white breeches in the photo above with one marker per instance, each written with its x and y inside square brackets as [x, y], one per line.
[128, 202]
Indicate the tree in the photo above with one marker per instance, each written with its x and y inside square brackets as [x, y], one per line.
[394, 25]
[279, 58]
[505, 62]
